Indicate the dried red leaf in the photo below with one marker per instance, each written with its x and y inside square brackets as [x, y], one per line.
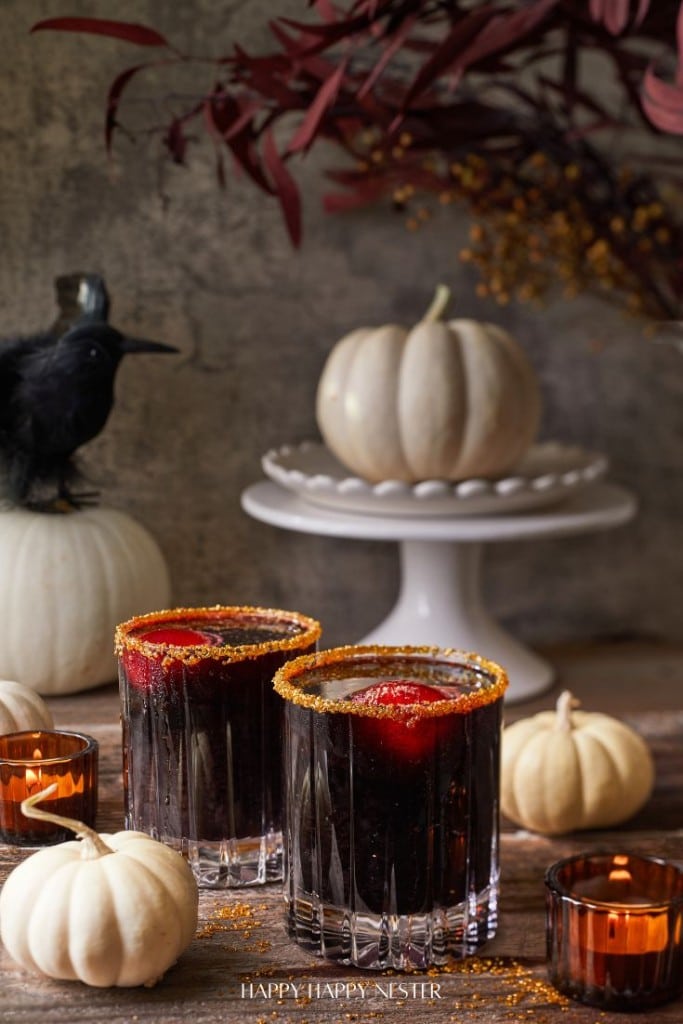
[327, 33]
[129, 31]
[116, 92]
[608, 12]
[390, 50]
[504, 32]
[446, 52]
[643, 7]
[247, 111]
[326, 10]
[266, 76]
[663, 103]
[370, 192]
[303, 56]
[616, 14]
[246, 156]
[220, 110]
[325, 97]
[285, 188]
[229, 115]
[114, 98]
[371, 7]
[175, 140]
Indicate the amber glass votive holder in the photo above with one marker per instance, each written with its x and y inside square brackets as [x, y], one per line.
[32, 761]
[615, 930]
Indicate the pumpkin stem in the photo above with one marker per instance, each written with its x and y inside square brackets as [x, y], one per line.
[565, 702]
[94, 846]
[442, 296]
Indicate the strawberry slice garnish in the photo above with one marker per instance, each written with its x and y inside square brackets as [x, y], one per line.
[407, 732]
[398, 691]
[179, 636]
[144, 671]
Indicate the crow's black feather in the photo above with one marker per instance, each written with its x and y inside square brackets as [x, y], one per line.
[56, 393]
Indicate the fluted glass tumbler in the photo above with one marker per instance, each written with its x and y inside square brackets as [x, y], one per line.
[391, 759]
[202, 734]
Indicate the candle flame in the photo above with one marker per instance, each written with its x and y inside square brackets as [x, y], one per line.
[33, 780]
[613, 927]
[620, 860]
[37, 754]
[620, 875]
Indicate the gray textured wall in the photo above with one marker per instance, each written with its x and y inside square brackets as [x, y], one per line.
[213, 273]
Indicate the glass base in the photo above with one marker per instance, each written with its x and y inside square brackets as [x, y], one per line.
[401, 942]
[231, 863]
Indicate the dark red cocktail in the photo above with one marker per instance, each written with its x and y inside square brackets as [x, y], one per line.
[202, 733]
[391, 806]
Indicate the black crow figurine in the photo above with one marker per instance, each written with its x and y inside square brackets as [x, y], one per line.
[80, 296]
[56, 393]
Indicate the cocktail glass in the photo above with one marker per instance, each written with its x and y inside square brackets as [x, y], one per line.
[391, 765]
[202, 734]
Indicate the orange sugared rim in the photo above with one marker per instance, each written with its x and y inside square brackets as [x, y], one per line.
[290, 681]
[126, 641]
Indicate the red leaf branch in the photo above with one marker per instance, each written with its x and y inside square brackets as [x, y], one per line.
[128, 31]
[425, 97]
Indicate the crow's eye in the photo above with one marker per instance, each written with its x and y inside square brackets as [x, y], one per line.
[93, 353]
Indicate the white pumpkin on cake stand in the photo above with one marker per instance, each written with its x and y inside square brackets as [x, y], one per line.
[429, 441]
[447, 400]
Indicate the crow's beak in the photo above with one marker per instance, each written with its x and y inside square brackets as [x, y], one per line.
[129, 345]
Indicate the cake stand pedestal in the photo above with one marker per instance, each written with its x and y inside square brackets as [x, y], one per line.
[440, 598]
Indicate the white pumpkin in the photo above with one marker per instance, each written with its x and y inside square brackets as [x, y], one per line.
[442, 401]
[22, 709]
[566, 770]
[108, 910]
[66, 581]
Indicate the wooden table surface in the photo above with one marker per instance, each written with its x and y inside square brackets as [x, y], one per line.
[242, 967]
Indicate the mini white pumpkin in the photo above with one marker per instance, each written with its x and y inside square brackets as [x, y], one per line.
[22, 709]
[110, 910]
[443, 401]
[566, 770]
[66, 581]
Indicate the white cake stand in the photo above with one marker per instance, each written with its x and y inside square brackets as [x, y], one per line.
[440, 598]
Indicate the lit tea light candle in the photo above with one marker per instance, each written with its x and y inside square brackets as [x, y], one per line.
[31, 761]
[615, 930]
